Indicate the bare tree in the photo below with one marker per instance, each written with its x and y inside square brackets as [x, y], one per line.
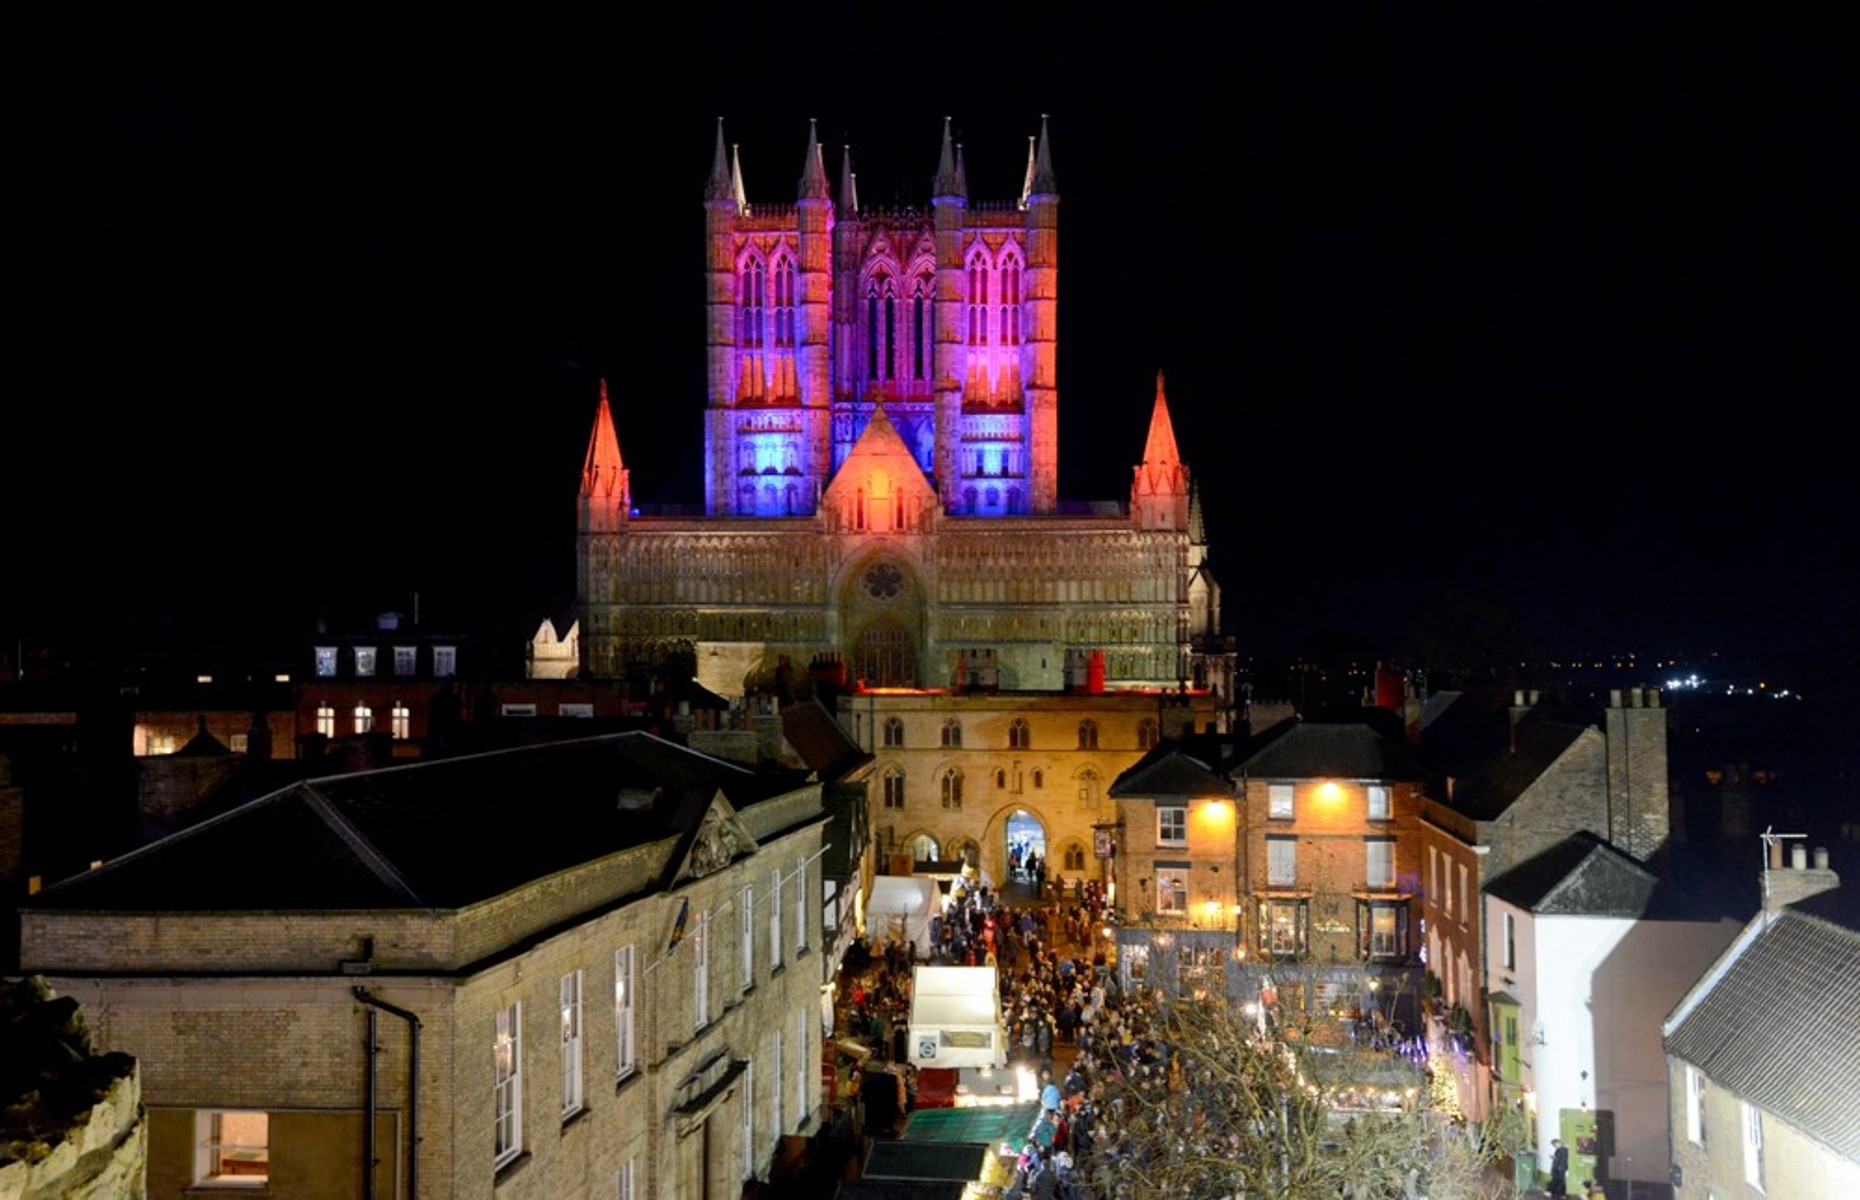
[1210, 1106]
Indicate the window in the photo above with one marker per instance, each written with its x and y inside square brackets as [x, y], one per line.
[894, 731]
[803, 1068]
[1283, 926]
[1088, 787]
[571, 1044]
[1379, 802]
[775, 921]
[364, 660]
[1171, 825]
[775, 1085]
[1075, 857]
[952, 789]
[404, 657]
[445, 662]
[1433, 875]
[1753, 1146]
[326, 662]
[1379, 856]
[232, 1147]
[1019, 736]
[364, 719]
[1381, 929]
[952, 733]
[1279, 801]
[402, 718]
[625, 1189]
[1171, 889]
[1147, 734]
[1695, 1106]
[800, 908]
[574, 709]
[1281, 861]
[894, 788]
[1511, 941]
[748, 919]
[1446, 897]
[507, 1083]
[1001, 777]
[1088, 735]
[516, 710]
[749, 1119]
[1465, 897]
[1039, 778]
[326, 720]
[700, 971]
[624, 992]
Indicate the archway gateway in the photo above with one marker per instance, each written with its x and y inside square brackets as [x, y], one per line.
[1024, 836]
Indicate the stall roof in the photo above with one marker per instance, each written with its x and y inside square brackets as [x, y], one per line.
[989, 1124]
[927, 1160]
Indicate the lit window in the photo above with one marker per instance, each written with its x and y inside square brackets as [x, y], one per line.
[326, 720]
[237, 742]
[232, 1147]
[1088, 735]
[700, 969]
[404, 658]
[445, 661]
[894, 788]
[623, 1008]
[571, 1043]
[1283, 927]
[1378, 802]
[1019, 736]
[1382, 930]
[1279, 801]
[364, 719]
[1379, 855]
[364, 660]
[507, 1084]
[952, 789]
[1171, 889]
[1281, 861]
[894, 731]
[1171, 825]
[1695, 1106]
[952, 733]
[1753, 1146]
[326, 662]
[167, 743]
[402, 718]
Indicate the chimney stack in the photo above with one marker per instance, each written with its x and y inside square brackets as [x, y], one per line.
[1783, 886]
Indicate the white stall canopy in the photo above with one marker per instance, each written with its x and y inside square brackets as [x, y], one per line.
[900, 907]
[956, 1018]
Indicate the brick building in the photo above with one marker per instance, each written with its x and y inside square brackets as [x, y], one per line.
[584, 967]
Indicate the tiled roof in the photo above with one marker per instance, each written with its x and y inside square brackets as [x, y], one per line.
[440, 834]
[1491, 788]
[1780, 1028]
[1580, 876]
[820, 741]
[1169, 772]
[1312, 750]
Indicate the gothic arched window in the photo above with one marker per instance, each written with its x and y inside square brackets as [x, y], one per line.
[894, 788]
[920, 328]
[1075, 857]
[1088, 734]
[1039, 777]
[978, 299]
[751, 296]
[952, 733]
[894, 731]
[1088, 788]
[1010, 300]
[1147, 734]
[784, 301]
[1018, 735]
[952, 788]
[1000, 777]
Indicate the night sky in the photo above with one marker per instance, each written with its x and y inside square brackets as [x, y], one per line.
[1545, 324]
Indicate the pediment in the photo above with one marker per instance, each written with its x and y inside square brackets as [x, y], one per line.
[721, 839]
[879, 464]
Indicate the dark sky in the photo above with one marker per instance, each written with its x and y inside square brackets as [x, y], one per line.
[1550, 322]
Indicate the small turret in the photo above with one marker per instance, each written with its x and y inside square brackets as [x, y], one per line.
[813, 184]
[606, 493]
[949, 185]
[1159, 493]
[719, 187]
[849, 186]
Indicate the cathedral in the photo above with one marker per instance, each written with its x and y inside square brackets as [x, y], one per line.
[881, 461]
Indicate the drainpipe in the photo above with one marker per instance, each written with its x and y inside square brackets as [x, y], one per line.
[413, 1095]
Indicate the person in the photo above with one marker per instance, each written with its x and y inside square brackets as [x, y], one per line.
[1559, 1168]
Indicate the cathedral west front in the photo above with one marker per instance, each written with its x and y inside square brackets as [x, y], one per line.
[881, 463]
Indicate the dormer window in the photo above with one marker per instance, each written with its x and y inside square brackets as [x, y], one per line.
[326, 662]
[364, 661]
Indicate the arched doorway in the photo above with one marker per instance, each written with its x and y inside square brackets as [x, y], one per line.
[1025, 838]
[923, 848]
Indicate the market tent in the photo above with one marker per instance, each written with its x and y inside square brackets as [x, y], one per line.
[900, 906]
[956, 1018]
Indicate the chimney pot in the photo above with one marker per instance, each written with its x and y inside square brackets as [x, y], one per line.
[1798, 857]
[1614, 697]
[1517, 698]
[1776, 856]
[1821, 858]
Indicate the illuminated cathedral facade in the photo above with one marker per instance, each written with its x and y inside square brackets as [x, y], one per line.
[881, 464]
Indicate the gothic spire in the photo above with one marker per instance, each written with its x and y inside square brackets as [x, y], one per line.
[1197, 531]
[814, 169]
[740, 193]
[948, 182]
[962, 174]
[1159, 450]
[1026, 184]
[718, 186]
[1044, 181]
[603, 474]
[849, 189]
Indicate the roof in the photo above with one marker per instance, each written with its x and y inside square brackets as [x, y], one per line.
[428, 835]
[926, 1160]
[1168, 771]
[1491, 788]
[1313, 750]
[1581, 876]
[820, 740]
[1780, 1026]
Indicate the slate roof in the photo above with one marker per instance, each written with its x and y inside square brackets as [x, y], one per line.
[821, 741]
[1491, 788]
[926, 1160]
[1780, 1026]
[1313, 750]
[435, 835]
[1167, 771]
[1580, 876]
